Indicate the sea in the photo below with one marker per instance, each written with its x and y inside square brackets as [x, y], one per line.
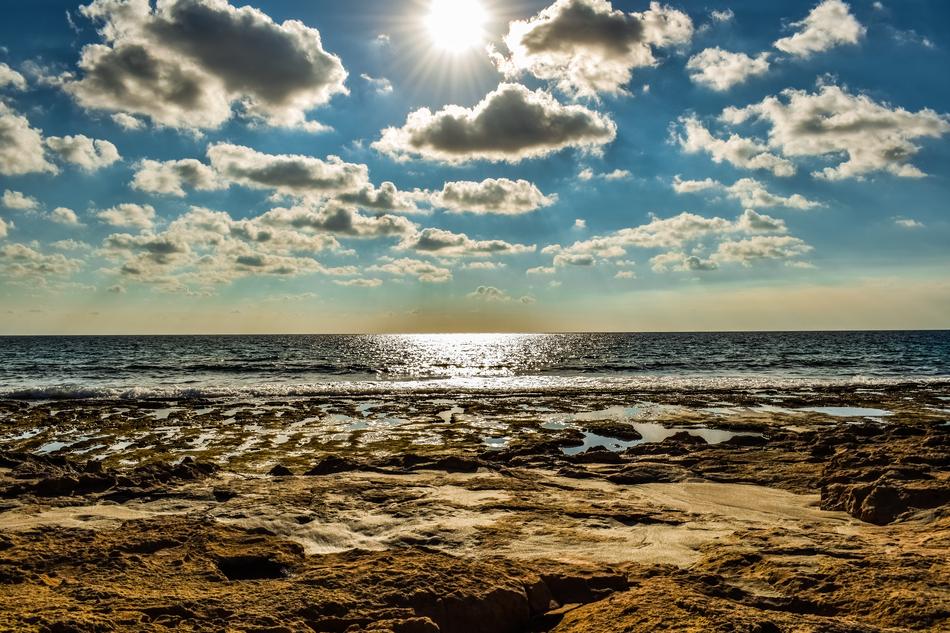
[270, 366]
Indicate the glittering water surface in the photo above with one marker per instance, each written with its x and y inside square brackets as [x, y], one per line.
[141, 366]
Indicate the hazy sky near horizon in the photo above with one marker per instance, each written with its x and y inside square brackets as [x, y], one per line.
[460, 165]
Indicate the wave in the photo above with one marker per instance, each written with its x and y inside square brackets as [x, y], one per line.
[540, 385]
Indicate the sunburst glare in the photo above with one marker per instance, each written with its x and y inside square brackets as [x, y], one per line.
[456, 25]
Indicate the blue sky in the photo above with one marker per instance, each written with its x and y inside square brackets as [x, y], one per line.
[200, 166]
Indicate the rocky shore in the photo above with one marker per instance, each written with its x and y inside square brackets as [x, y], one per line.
[699, 512]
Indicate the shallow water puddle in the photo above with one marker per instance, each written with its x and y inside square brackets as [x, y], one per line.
[652, 433]
[849, 412]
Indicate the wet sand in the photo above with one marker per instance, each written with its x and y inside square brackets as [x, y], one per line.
[820, 510]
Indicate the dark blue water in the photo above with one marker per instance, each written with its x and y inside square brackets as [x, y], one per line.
[141, 366]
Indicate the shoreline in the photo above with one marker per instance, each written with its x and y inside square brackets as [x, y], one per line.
[824, 511]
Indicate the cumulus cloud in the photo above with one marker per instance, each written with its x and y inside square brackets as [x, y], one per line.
[720, 70]
[64, 215]
[185, 63]
[511, 123]
[492, 195]
[359, 282]
[386, 197]
[128, 214]
[10, 77]
[172, 176]
[749, 250]
[448, 244]
[735, 150]
[204, 248]
[908, 223]
[288, 174]
[748, 191]
[421, 270]
[833, 122]
[127, 121]
[19, 201]
[4, 228]
[586, 47]
[18, 261]
[380, 85]
[338, 219]
[617, 174]
[89, 154]
[828, 25]
[677, 261]
[726, 15]
[489, 293]
[21, 146]
[672, 234]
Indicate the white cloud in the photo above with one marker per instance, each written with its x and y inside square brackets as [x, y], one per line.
[541, 270]
[673, 233]
[586, 47]
[446, 243]
[489, 293]
[89, 154]
[19, 201]
[380, 85]
[735, 150]
[127, 214]
[127, 121]
[511, 123]
[748, 191]
[64, 215]
[832, 122]
[359, 282]
[617, 174]
[18, 261]
[185, 62]
[908, 223]
[677, 261]
[625, 274]
[828, 25]
[492, 195]
[580, 224]
[21, 146]
[337, 219]
[725, 15]
[421, 270]
[693, 186]
[721, 70]
[4, 228]
[10, 77]
[760, 247]
[171, 177]
[288, 174]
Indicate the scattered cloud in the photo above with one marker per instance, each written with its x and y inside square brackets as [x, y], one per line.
[511, 123]
[448, 244]
[586, 47]
[617, 174]
[721, 70]
[421, 270]
[10, 77]
[829, 24]
[20, 262]
[170, 177]
[19, 201]
[759, 247]
[735, 150]
[184, 63]
[89, 154]
[493, 195]
[833, 122]
[64, 215]
[130, 215]
[379, 85]
[908, 223]
[21, 146]
[750, 193]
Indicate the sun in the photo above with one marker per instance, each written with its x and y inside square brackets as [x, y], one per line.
[456, 25]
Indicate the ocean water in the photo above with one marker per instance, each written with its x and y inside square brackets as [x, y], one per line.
[273, 366]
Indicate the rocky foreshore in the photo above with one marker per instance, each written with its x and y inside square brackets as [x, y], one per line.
[791, 523]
